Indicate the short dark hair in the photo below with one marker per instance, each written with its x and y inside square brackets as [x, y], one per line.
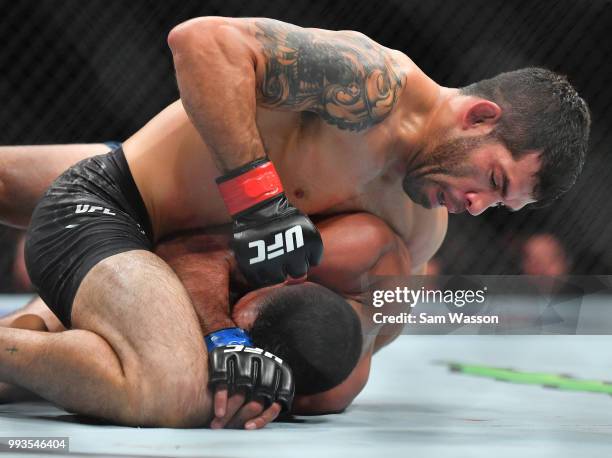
[312, 328]
[541, 110]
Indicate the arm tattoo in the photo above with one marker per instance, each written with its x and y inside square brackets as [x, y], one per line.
[346, 78]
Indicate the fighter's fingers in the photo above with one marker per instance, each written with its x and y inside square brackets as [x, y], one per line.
[220, 401]
[249, 411]
[234, 403]
[268, 416]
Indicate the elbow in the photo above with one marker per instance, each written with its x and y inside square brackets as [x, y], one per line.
[192, 33]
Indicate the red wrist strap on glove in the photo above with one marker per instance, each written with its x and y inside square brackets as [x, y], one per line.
[249, 185]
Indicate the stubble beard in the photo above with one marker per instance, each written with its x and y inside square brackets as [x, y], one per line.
[449, 158]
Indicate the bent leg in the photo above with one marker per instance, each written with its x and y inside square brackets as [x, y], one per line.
[137, 359]
[27, 171]
[137, 303]
[157, 348]
[96, 273]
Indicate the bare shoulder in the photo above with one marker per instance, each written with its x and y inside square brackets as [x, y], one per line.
[346, 78]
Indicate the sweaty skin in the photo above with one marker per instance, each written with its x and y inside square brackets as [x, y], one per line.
[361, 250]
[175, 173]
[340, 116]
[349, 125]
[346, 270]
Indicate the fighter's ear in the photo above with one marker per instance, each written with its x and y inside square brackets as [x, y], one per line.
[481, 112]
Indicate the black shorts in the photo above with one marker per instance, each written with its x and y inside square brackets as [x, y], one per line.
[92, 211]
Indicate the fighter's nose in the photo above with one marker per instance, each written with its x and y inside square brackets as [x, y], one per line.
[475, 204]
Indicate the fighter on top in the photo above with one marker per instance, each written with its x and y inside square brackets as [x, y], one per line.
[252, 88]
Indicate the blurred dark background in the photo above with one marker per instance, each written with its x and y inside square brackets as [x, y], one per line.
[87, 71]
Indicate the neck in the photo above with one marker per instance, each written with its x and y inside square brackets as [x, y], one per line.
[424, 123]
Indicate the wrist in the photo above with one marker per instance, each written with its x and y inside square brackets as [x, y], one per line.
[227, 336]
[249, 185]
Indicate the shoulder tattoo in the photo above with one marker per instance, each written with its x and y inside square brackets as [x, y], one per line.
[344, 77]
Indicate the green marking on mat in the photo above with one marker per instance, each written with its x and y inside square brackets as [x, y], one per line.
[562, 382]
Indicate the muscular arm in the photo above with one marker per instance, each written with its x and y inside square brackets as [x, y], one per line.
[361, 249]
[226, 67]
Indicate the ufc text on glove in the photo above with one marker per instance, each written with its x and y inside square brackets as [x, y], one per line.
[271, 238]
[235, 362]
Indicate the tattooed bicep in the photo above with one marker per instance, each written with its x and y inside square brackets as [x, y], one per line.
[344, 77]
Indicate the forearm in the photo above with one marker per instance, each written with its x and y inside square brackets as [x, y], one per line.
[226, 67]
[215, 69]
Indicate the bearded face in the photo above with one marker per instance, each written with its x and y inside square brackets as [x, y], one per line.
[449, 159]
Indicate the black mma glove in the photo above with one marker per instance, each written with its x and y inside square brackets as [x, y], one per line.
[272, 239]
[234, 361]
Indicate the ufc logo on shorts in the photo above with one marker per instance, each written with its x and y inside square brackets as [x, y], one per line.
[257, 351]
[283, 243]
[86, 208]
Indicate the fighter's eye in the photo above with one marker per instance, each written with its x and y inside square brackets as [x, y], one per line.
[493, 183]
